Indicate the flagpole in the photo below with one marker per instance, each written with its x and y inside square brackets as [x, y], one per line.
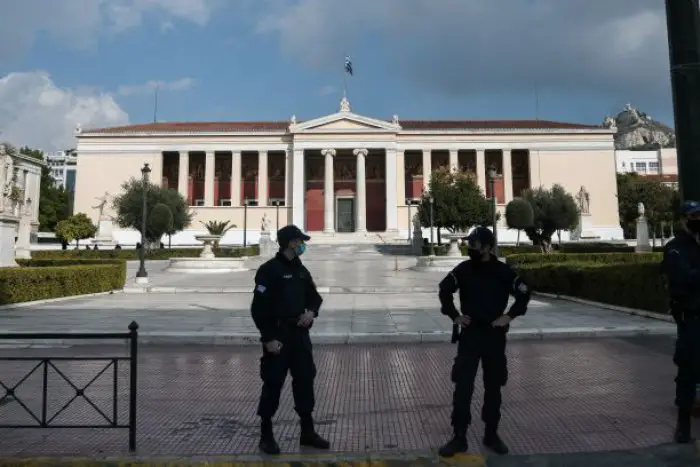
[345, 78]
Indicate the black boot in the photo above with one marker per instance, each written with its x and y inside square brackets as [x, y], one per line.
[494, 442]
[268, 444]
[682, 435]
[309, 438]
[456, 445]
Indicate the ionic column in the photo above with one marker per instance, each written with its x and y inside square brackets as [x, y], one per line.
[481, 168]
[392, 221]
[454, 160]
[427, 168]
[507, 176]
[298, 188]
[287, 194]
[328, 192]
[209, 179]
[183, 176]
[361, 190]
[236, 178]
[262, 178]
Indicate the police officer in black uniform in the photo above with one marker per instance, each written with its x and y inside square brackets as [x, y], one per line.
[285, 304]
[484, 284]
[682, 267]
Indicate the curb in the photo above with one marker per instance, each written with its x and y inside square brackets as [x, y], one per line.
[607, 306]
[437, 337]
[291, 460]
[248, 289]
[57, 299]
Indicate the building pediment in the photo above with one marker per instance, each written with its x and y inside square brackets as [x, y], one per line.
[345, 122]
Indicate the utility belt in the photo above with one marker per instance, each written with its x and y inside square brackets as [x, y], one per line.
[458, 331]
[288, 322]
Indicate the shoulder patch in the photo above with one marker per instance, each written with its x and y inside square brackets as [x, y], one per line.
[260, 288]
[522, 288]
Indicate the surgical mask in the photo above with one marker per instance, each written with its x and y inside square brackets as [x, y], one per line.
[300, 249]
[693, 225]
[474, 255]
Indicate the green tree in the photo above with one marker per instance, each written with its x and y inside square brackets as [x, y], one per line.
[54, 203]
[554, 210]
[458, 202]
[519, 215]
[160, 221]
[660, 203]
[129, 208]
[77, 227]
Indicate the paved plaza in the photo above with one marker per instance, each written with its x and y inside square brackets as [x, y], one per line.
[572, 397]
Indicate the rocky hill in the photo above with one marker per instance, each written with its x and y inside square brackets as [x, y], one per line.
[637, 131]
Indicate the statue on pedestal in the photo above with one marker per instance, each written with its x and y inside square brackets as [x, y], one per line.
[101, 206]
[584, 200]
[265, 224]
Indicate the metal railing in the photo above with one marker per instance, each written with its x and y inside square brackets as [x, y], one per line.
[43, 364]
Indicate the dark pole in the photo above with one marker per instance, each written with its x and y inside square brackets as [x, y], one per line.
[142, 275]
[432, 245]
[245, 222]
[492, 182]
[277, 213]
[683, 23]
[133, 381]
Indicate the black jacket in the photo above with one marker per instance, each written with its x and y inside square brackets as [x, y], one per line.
[681, 264]
[484, 289]
[284, 290]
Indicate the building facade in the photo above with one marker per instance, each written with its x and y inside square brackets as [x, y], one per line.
[661, 164]
[345, 176]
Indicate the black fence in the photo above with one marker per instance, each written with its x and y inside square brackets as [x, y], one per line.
[43, 420]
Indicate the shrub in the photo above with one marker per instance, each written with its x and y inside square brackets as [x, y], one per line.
[28, 283]
[598, 258]
[633, 285]
[155, 254]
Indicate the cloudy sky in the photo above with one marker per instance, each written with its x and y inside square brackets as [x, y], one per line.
[97, 62]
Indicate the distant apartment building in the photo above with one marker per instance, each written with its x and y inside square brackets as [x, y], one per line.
[661, 164]
[63, 166]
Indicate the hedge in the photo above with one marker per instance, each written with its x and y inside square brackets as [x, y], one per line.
[44, 279]
[155, 254]
[565, 248]
[632, 285]
[604, 258]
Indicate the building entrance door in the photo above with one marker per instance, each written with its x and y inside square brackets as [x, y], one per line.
[345, 214]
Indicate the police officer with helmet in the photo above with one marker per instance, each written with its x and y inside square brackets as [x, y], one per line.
[285, 304]
[484, 284]
[681, 265]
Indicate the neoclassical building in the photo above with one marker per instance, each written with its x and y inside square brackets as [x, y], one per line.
[345, 177]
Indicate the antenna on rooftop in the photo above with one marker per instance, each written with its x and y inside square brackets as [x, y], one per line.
[155, 103]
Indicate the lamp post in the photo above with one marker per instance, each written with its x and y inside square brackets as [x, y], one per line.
[245, 222]
[492, 183]
[142, 275]
[432, 245]
[408, 205]
[277, 213]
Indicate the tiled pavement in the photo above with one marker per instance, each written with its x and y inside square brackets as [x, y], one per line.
[577, 396]
[345, 318]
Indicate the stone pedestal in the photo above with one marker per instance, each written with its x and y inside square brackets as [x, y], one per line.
[585, 228]
[23, 245]
[643, 243]
[8, 230]
[104, 236]
[267, 246]
[417, 242]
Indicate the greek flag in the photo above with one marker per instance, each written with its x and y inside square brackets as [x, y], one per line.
[348, 66]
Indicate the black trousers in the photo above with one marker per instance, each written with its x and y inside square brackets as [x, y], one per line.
[687, 358]
[488, 345]
[297, 358]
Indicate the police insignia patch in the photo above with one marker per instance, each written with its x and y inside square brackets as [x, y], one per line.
[522, 288]
[260, 288]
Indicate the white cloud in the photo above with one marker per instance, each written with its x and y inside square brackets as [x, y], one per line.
[327, 90]
[79, 23]
[36, 113]
[182, 84]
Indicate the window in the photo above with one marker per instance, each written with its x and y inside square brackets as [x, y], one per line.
[640, 167]
[272, 201]
[199, 202]
[224, 202]
[654, 167]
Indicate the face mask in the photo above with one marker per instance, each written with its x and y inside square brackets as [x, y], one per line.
[694, 225]
[474, 255]
[300, 249]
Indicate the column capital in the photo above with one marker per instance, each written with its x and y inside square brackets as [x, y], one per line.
[360, 152]
[328, 152]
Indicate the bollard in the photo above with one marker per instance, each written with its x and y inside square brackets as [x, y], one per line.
[396, 263]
